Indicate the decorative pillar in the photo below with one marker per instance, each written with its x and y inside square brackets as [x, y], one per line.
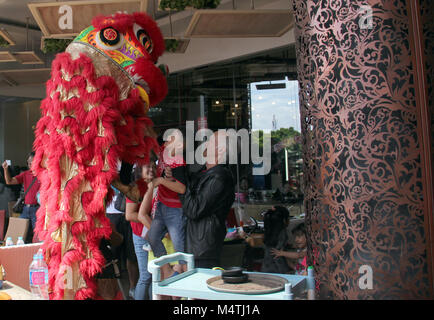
[365, 190]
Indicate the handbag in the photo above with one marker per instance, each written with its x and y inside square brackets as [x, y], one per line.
[120, 202]
[19, 205]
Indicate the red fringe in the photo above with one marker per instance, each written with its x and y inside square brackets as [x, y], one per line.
[76, 138]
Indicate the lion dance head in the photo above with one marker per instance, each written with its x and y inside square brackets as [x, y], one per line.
[94, 115]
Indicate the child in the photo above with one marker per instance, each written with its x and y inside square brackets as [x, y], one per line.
[168, 213]
[298, 259]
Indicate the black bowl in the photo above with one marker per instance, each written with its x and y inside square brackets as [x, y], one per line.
[233, 272]
[236, 279]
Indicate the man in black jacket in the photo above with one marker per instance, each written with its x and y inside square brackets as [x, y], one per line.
[208, 198]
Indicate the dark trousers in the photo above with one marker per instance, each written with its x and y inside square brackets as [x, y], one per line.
[30, 213]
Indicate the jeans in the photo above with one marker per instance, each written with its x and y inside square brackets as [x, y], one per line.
[143, 286]
[29, 213]
[170, 220]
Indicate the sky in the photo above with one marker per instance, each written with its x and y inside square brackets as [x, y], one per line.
[282, 103]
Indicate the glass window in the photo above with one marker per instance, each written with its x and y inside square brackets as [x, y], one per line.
[258, 93]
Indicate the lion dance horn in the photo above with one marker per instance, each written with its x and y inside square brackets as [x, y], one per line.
[93, 116]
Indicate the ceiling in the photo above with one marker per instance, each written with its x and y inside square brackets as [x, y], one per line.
[17, 20]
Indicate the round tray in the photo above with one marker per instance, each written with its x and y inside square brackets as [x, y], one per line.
[257, 284]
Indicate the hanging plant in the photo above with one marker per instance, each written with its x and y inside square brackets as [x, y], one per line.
[171, 44]
[179, 5]
[3, 42]
[55, 45]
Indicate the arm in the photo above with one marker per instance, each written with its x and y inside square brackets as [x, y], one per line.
[8, 178]
[196, 206]
[173, 185]
[288, 254]
[131, 212]
[145, 207]
[132, 191]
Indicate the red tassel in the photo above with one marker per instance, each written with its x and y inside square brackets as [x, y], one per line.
[78, 142]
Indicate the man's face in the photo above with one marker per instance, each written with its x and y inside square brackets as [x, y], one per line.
[217, 142]
[29, 161]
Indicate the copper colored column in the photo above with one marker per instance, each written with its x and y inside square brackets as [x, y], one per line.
[365, 190]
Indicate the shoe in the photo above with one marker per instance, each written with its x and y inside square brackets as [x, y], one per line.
[131, 293]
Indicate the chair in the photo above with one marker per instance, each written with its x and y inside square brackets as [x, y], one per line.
[17, 227]
[16, 261]
[2, 224]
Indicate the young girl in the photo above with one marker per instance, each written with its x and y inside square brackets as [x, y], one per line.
[168, 216]
[298, 259]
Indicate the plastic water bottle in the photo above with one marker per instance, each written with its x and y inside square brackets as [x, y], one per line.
[310, 284]
[9, 242]
[20, 241]
[38, 277]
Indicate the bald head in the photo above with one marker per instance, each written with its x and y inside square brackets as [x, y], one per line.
[216, 149]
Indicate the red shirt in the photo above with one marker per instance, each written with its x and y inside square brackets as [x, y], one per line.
[25, 178]
[137, 227]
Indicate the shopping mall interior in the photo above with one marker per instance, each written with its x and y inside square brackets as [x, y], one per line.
[343, 90]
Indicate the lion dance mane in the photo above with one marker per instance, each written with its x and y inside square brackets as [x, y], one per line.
[94, 115]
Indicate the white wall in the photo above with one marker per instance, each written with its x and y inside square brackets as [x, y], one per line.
[204, 51]
[17, 123]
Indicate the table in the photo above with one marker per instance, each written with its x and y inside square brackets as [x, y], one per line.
[16, 292]
[192, 283]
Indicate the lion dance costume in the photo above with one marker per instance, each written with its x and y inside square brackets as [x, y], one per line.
[94, 115]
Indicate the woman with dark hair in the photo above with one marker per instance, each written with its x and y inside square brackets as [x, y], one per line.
[276, 221]
[140, 228]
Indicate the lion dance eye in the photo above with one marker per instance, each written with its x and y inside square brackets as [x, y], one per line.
[143, 38]
[109, 39]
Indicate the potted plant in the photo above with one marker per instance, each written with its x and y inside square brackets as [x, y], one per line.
[54, 45]
[3, 42]
[171, 45]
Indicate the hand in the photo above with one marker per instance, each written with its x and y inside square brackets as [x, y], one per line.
[157, 181]
[242, 234]
[5, 165]
[276, 253]
[301, 254]
[168, 172]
